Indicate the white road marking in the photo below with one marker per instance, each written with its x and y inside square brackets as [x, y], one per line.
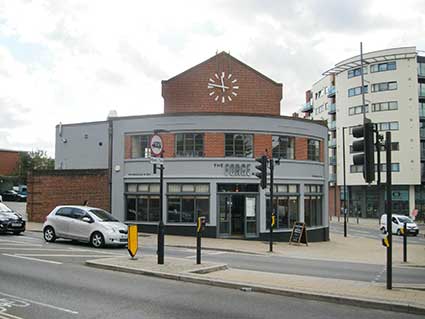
[40, 303]
[4, 315]
[56, 255]
[18, 245]
[34, 259]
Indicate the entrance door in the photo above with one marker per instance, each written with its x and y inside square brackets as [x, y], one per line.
[250, 216]
[238, 214]
[225, 212]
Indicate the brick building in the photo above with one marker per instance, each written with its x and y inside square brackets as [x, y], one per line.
[218, 116]
[9, 161]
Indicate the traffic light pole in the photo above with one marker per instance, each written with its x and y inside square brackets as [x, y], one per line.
[272, 205]
[389, 210]
[345, 182]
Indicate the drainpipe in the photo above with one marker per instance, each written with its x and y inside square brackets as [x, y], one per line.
[110, 152]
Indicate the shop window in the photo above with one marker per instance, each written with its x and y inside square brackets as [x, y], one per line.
[283, 147]
[142, 202]
[313, 151]
[238, 145]
[140, 147]
[313, 210]
[287, 211]
[189, 145]
[187, 202]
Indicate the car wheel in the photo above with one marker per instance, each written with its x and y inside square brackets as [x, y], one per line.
[49, 234]
[398, 232]
[97, 240]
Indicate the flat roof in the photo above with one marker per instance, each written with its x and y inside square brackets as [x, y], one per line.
[319, 122]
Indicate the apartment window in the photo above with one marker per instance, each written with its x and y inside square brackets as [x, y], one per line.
[388, 126]
[357, 91]
[313, 198]
[283, 147]
[385, 106]
[187, 202]
[380, 67]
[313, 150]
[142, 202]
[395, 167]
[140, 147]
[421, 69]
[189, 145]
[384, 86]
[358, 110]
[286, 199]
[238, 145]
[421, 89]
[421, 109]
[319, 109]
[356, 72]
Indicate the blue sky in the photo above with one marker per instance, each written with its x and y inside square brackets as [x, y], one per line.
[74, 61]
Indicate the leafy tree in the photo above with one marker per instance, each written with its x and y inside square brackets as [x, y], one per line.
[35, 160]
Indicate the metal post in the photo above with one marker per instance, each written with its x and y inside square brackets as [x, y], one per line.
[405, 242]
[389, 210]
[271, 206]
[161, 222]
[362, 75]
[345, 181]
[198, 245]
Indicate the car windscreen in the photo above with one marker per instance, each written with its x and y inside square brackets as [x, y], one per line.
[4, 208]
[404, 219]
[103, 215]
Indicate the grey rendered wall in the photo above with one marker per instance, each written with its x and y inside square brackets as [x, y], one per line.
[189, 170]
[82, 146]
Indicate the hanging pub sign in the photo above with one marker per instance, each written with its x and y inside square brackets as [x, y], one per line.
[299, 234]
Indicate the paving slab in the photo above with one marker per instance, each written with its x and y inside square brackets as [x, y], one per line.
[350, 292]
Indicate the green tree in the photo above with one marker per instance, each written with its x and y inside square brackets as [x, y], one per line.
[35, 160]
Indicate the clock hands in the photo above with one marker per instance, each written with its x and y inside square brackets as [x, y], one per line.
[211, 85]
[222, 83]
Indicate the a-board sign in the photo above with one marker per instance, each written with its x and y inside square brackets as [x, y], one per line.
[133, 240]
[299, 234]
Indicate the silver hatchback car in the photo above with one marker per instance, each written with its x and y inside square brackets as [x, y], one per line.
[87, 224]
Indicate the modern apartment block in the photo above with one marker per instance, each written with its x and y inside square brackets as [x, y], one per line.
[394, 86]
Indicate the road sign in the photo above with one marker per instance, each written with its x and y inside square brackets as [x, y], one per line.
[157, 160]
[133, 240]
[156, 145]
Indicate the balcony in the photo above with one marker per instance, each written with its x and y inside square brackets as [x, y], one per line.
[331, 91]
[332, 178]
[332, 160]
[332, 143]
[422, 132]
[332, 125]
[332, 108]
[422, 114]
[307, 107]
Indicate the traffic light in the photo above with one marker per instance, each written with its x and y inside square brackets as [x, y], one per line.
[366, 147]
[262, 170]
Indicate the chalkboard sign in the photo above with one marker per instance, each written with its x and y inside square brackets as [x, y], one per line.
[299, 234]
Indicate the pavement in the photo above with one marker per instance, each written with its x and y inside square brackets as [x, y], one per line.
[402, 298]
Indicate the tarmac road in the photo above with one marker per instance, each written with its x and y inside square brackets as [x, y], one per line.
[41, 280]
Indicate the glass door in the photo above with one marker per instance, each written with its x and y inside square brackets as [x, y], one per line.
[250, 216]
[225, 212]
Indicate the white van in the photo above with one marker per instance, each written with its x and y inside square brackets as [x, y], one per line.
[398, 223]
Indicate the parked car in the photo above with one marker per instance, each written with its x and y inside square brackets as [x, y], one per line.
[86, 224]
[398, 223]
[13, 196]
[10, 221]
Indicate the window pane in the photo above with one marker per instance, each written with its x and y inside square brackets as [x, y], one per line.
[154, 188]
[203, 207]
[282, 212]
[179, 144]
[188, 210]
[143, 187]
[142, 208]
[174, 188]
[131, 208]
[132, 188]
[202, 188]
[173, 209]
[293, 188]
[188, 188]
[282, 188]
[153, 209]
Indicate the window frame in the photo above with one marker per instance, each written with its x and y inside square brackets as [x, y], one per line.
[185, 140]
[313, 155]
[279, 150]
[146, 152]
[247, 140]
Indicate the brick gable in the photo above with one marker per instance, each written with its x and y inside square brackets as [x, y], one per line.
[189, 92]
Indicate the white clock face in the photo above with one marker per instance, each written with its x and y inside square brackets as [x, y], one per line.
[223, 87]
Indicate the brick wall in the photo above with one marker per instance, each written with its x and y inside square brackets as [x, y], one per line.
[9, 161]
[301, 148]
[48, 189]
[262, 142]
[127, 146]
[189, 92]
[214, 144]
[169, 145]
